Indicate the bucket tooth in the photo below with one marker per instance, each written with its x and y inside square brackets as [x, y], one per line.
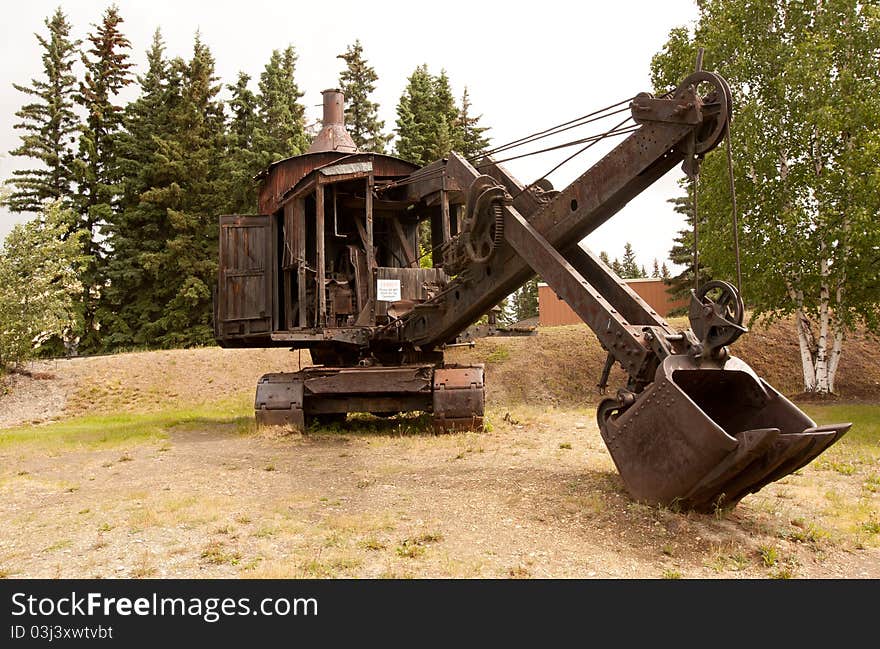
[790, 453]
[754, 475]
[752, 444]
[704, 436]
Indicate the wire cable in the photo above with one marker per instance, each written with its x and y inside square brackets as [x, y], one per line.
[734, 211]
[592, 139]
[554, 130]
[610, 133]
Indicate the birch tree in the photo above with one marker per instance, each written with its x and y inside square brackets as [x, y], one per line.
[806, 138]
[40, 261]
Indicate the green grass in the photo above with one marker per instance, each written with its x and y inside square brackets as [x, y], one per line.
[769, 555]
[498, 355]
[862, 440]
[105, 431]
[871, 527]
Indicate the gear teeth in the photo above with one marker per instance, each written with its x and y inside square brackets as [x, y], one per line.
[499, 225]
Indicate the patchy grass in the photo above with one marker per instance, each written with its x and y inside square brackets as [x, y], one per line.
[414, 547]
[519, 572]
[498, 355]
[266, 531]
[850, 496]
[409, 551]
[216, 552]
[871, 527]
[108, 431]
[58, 545]
[783, 572]
[805, 532]
[372, 544]
[327, 568]
[144, 567]
[727, 557]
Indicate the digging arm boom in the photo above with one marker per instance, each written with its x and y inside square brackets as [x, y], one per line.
[543, 238]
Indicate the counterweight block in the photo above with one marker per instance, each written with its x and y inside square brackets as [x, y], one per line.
[705, 436]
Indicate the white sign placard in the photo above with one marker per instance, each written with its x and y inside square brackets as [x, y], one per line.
[388, 290]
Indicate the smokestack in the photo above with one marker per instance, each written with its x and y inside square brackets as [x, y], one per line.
[333, 136]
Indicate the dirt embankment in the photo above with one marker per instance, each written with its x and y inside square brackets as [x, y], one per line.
[559, 366]
[137, 382]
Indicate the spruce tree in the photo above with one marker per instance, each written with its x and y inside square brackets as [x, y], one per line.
[444, 122]
[470, 139]
[143, 118]
[138, 234]
[189, 258]
[415, 120]
[241, 162]
[263, 128]
[525, 300]
[165, 250]
[430, 125]
[358, 81]
[629, 267]
[243, 105]
[280, 132]
[655, 273]
[48, 124]
[106, 74]
[97, 168]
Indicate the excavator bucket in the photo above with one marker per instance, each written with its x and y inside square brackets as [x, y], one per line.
[705, 434]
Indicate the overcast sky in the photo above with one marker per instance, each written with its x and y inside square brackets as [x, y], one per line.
[527, 66]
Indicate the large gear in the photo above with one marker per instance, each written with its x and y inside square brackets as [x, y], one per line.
[483, 225]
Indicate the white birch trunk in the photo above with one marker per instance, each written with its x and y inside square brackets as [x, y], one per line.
[824, 317]
[839, 331]
[802, 324]
[834, 360]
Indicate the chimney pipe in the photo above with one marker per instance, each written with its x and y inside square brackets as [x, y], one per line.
[333, 136]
